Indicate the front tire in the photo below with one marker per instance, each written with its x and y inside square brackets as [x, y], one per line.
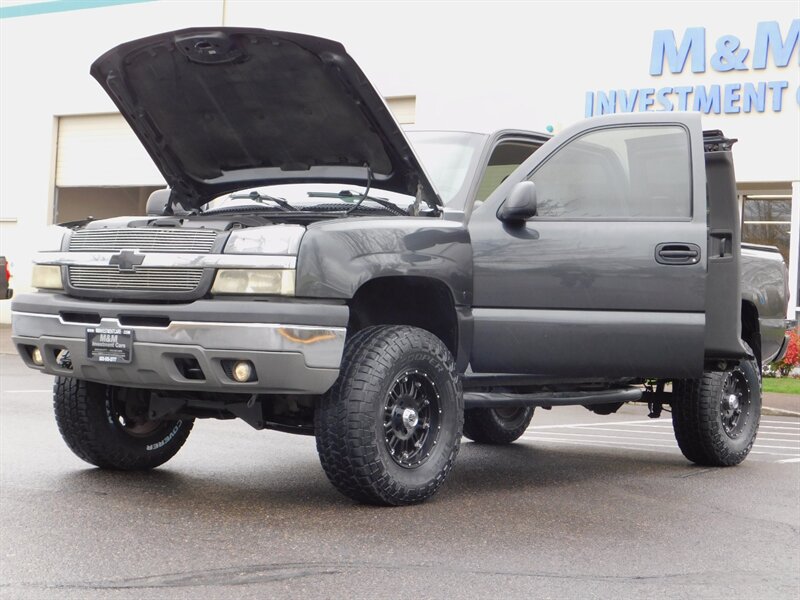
[389, 429]
[716, 418]
[107, 426]
[497, 426]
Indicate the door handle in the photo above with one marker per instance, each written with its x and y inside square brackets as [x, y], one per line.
[677, 253]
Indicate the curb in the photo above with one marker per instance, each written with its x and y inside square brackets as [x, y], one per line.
[765, 411]
[778, 412]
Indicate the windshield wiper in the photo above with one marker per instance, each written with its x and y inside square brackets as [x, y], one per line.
[348, 196]
[263, 199]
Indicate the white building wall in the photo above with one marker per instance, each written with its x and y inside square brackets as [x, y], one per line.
[477, 66]
[44, 73]
[793, 310]
[483, 66]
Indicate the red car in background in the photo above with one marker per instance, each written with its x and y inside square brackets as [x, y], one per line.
[5, 280]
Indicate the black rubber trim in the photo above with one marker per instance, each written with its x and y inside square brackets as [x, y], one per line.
[783, 349]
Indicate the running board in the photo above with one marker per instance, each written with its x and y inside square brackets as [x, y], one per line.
[502, 400]
[471, 381]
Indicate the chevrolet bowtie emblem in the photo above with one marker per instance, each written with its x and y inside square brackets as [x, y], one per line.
[127, 261]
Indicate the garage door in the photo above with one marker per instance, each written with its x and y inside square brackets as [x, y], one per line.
[102, 151]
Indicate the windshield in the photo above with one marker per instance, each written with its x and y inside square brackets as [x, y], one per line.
[309, 196]
[448, 157]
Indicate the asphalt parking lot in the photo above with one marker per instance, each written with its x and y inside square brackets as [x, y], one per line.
[582, 507]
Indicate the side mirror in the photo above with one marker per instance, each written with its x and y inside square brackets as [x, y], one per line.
[520, 204]
[157, 202]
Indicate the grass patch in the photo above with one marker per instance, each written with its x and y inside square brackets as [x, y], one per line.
[783, 385]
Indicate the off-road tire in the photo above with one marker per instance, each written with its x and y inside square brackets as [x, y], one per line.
[350, 419]
[496, 426]
[87, 422]
[698, 412]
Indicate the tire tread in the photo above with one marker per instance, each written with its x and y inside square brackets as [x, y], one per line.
[483, 426]
[346, 441]
[696, 424]
[79, 410]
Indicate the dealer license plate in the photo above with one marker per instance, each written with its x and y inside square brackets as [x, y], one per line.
[109, 345]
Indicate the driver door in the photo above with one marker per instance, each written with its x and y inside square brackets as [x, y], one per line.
[608, 278]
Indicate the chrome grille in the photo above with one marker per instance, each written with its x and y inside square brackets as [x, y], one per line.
[143, 278]
[144, 239]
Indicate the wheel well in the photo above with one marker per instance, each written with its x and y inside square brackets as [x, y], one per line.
[418, 301]
[751, 331]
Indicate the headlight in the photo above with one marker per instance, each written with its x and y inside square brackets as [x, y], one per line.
[254, 281]
[269, 239]
[47, 277]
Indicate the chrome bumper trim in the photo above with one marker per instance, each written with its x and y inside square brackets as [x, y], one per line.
[171, 260]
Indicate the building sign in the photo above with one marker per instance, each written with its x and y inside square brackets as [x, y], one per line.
[729, 53]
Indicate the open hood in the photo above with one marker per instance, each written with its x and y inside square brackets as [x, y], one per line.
[226, 108]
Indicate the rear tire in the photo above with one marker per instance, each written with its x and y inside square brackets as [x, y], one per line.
[389, 429]
[716, 418]
[107, 426]
[496, 426]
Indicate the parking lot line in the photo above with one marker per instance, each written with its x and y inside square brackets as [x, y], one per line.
[771, 427]
[793, 447]
[772, 453]
[630, 430]
[641, 447]
[779, 440]
[600, 435]
[589, 424]
[647, 439]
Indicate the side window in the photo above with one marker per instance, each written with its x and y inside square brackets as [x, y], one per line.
[506, 157]
[618, 173]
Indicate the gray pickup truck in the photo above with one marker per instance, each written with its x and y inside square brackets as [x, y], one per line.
[597, 267]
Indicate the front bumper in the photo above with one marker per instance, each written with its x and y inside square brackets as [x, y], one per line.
[296, 348]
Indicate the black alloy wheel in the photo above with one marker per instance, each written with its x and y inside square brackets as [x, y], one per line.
[734, 407]
[412, 418]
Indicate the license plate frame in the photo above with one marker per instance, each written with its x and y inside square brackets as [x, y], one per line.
[109, 345]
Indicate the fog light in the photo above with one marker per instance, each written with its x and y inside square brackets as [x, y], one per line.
[242, 371]
[36, 357]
